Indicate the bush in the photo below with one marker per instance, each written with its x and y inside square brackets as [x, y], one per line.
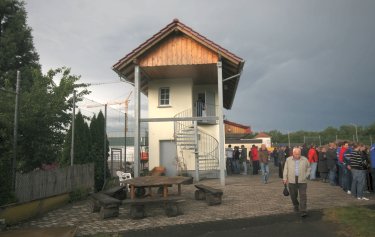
[79, 194]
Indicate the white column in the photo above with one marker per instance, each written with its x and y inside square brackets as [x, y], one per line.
[137, 109]
[221, 123]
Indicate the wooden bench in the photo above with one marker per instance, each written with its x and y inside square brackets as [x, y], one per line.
[105, 204]
[211, 195]
[170, 205]
[118, 192]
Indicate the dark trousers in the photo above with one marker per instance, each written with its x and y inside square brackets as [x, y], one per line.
[294, 190]
[281, 169]
[372, 180]
[255, 166]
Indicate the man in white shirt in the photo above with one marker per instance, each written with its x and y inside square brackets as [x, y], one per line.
[296, 170]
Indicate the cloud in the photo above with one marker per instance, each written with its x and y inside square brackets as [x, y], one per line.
[309, 64]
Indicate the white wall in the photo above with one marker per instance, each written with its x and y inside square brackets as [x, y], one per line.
[180, 99]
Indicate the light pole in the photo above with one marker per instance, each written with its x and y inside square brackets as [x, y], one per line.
[356, 131]
[15, 128]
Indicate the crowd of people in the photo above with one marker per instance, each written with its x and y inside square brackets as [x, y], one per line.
[349, 166]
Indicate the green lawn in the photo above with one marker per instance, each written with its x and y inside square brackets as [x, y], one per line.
[353, 221]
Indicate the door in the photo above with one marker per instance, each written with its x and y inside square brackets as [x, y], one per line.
[168, 155]
[210, 103]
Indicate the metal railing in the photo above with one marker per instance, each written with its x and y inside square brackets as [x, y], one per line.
[204, 144]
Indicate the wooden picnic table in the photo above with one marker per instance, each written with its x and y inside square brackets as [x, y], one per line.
[156, 181]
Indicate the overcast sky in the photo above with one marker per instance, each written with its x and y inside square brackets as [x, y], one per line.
[309, 64]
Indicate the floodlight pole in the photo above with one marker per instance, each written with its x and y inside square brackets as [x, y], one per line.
[15, 131]
[73, 129]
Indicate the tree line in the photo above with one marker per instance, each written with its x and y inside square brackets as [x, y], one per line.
[351, 132]
[45, 105]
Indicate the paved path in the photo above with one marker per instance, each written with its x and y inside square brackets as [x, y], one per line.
[244, 197]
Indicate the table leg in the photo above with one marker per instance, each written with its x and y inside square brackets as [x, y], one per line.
[149, 191]
[132, 192]
[165, 191]
[179, 189]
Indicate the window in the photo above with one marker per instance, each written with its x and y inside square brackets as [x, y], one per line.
[164, 96]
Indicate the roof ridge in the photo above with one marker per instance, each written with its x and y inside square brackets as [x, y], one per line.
[170, 26]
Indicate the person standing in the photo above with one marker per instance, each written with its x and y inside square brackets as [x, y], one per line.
[244, 159]
[255, 159]
[322, 165]
[313, 160]
[236, 160]
[358, 166]
[263, 159]
[281, 156]
[229, 155]
[340, 161]
[331, 163]
[372, 166]
[275, 157]
[296, 170]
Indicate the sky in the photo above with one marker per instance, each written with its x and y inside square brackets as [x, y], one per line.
[309, 64]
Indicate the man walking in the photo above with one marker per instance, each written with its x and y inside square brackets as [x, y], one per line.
[244, 159]
[263, 158]
[296, 170]
[254, 159]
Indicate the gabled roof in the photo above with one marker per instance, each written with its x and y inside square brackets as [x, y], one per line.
[237, 125]
[262, 135]
[231, 63]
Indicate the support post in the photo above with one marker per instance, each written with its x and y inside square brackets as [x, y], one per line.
[221, 123]
[14, 163]
[196, 151]
[105, 154]
[137, 109]
[73, 129]
[125, 130]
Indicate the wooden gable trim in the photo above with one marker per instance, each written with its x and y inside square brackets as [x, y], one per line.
[178, 49]
[171, 28]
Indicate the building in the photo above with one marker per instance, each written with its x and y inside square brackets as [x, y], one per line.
[188, 80]
[266, 139]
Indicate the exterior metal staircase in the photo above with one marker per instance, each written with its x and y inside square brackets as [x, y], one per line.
[189, 138]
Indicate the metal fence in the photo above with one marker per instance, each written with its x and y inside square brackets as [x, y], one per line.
[41, 184]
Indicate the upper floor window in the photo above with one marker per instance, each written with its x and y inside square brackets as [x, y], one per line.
[164, 96]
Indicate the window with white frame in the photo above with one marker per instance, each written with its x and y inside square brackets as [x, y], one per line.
[164, 96]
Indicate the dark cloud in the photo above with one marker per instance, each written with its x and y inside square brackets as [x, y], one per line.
[309, 64]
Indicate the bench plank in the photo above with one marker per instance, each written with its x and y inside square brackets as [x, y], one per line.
[118, 192]
[213, 196]
[105, 204]
[171, 205]
[209, 189]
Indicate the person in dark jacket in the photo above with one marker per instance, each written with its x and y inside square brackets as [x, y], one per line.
[275, 157]
[282, 157]
[331, 163]
[236, 159]
[322, 164]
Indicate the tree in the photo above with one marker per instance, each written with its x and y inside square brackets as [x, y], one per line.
[45, 116]
[97, 149]
[16, 45]
[17, 52]
[82, 142]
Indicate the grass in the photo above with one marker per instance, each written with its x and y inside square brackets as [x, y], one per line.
[356, 221]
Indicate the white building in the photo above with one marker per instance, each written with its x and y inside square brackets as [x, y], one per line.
[188, 80]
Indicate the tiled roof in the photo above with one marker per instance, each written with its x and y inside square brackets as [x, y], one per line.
[176, 24]
[262, 134]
